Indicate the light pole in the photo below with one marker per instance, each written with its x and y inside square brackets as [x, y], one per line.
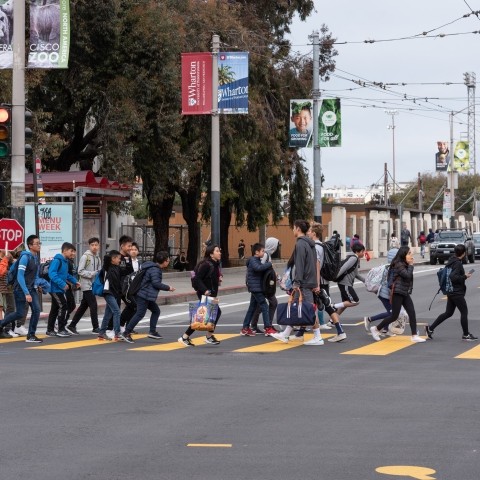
[392, 128]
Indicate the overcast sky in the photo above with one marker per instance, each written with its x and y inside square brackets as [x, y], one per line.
[425, 65]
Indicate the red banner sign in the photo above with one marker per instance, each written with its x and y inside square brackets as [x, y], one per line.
[196, 83]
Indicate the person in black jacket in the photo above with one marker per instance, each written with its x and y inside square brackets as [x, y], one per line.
[402, 285]
[455, 299]
[146, 298]
[112, 293]
[207, 280]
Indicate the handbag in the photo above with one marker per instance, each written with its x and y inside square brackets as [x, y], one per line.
[203, 314]
[295, 312]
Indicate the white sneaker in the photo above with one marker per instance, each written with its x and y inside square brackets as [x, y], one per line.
[338, 338]
[314, 341]
[366, 322]
[13, 334]
[417, 339]
[280, 337]
[122, 329]
[375, 333]
[294, 338]
[110, 333]
[21, 331]
[325, 327]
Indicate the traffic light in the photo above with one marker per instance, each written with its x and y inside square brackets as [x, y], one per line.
[5, 132]
[28, 131]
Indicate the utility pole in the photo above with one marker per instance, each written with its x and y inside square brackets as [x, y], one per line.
[215, 148]
[470, 81]
[452, 176]
[420, 193]
[17, 175]
[317, 165]
[392, 128]
[385, 184]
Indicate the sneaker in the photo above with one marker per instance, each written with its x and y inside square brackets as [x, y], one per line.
[51, 333]
[13, 334]
[331, 324]
[104, 336]
[155, 336]
[326, 326]
[247, 332]
[338, 338]
[366, 322]
[72, 330]
[280, 336]
[116, 338]
[134, 332]
[269, 331]
[469, 338]
[125, 337]
[429, 332]
[295, 338]
[64, 334]
[33, 339]
[95, 331]
[110, 334]
[186, 341]
[4, 334]
[417, 339]
[375, 333]
[314, 341]
[212, 340]
[21, 331]
[258, 330]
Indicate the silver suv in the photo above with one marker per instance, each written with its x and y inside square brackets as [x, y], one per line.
[445, 242]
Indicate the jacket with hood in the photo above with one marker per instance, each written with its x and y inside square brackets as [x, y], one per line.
[151, 282]
[384, 290]
[113, 281]
[88, 267]
[271, 246]
[457, 276]
[208, 277]
[305, 261]
[403, 278]
[58, 273]
[255, 270]
[350, 261]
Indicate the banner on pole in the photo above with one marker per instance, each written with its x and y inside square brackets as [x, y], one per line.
[6, 34]
[49, 34]
[233, 82]
[442, 157]
[330, 123]
[301, 125]
[196, 83]
[447, 205]
[461, 157]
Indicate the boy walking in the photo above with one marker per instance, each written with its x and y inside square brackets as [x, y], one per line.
[90, 263]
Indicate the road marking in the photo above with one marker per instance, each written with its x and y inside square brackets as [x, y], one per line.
[79, 344]
[471, 354]
[210, 445]
[277, 346]
[168, 347]
[384, 347]
[420, 473]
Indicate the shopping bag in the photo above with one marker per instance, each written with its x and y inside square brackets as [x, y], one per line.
[398, 326]
[296, 312]
[203, 313]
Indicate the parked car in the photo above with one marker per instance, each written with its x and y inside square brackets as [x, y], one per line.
[445, 242]
[476, 241]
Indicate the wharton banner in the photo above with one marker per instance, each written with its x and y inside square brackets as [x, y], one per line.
[49, 34]
[6, 34]
[197, 83]
[233, 82]
[330, 123]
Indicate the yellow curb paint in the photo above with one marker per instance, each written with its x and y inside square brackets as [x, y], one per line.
[383, 347]
[210, 445]
[472, 354]
[420, 473]
[276, 346]
[18, 339]
[168, 347]
[69, 345]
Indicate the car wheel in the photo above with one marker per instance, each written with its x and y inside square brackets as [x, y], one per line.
[441, 261]
[433, 261]
[471, 258]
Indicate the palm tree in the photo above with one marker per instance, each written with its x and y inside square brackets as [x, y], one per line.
[225, 75]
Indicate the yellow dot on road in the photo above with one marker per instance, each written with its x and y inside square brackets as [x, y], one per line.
[420, 473]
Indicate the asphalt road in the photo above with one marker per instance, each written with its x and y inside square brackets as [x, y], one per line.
[340, 411]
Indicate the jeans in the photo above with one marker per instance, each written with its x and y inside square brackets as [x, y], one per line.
[142, 306]
[388, 308]
[20, 307]
[257, 299]
[88, 301]
[272, 308]
[111, 311]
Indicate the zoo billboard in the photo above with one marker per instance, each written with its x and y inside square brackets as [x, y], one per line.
[233, 82]
[49, 34]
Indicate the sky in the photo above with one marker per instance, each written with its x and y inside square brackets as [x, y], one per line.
[421, 68]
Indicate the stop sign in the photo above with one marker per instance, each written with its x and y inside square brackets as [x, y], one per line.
[11, 234]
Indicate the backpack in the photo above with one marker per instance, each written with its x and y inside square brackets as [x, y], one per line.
[269, 282]
[331, 261]
[98, 283]
[444, 281]
[349, 271]
[422, 239]
[194, 272]
[43, 272]
[12, 273]
[375, 278]
[285, 281]
[131, 284]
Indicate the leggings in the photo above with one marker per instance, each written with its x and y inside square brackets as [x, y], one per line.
[454, 301]
[399, 301]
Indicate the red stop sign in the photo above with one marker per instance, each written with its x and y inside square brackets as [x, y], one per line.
[11, 234]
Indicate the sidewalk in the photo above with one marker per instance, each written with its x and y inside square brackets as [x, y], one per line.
[233, 282]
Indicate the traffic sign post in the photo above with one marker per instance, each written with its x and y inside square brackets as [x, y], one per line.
[11, 234]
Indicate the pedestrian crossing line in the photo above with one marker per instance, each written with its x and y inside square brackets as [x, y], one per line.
[18, 339]
[384, 347]
[69, 345]
[168, 347]
[471, 354]
[276, 346]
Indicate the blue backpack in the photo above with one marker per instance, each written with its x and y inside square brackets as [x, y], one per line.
[98, 283]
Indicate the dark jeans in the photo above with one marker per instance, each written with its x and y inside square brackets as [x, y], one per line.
[21, 307]
[89, 300]
[190, 330]
[257, 299]
[453, 302]
[272, 308]
[112, 314]
[388, 308]
[142, 306]
[398, 302]
[127, 313]
[58, 312]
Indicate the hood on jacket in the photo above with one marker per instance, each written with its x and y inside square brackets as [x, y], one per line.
[452, 260]
[391, 254]
[271, 245]
[308, 240]
[149, 264]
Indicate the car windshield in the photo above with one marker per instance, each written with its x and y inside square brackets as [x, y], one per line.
[476, 240]
[451, 236]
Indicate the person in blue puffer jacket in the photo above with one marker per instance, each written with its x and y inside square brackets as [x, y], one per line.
[146, 298]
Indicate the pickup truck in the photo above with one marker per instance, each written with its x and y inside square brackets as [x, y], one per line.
[445, 242]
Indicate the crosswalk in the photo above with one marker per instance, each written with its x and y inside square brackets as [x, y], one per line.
[234, 343]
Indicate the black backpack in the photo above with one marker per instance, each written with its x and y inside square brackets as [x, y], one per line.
[269, 282]
[44, 267]
[132, 283]
[194, 272]
[331, 260]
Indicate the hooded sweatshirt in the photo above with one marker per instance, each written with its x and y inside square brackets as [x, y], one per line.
[58, 273]
[271, 245]
[305, 260]
[88, 267]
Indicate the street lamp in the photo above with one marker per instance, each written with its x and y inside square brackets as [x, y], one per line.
[392, 128]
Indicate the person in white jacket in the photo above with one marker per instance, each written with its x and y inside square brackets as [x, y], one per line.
[90, 263]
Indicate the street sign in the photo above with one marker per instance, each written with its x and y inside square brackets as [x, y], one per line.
[11, 234]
